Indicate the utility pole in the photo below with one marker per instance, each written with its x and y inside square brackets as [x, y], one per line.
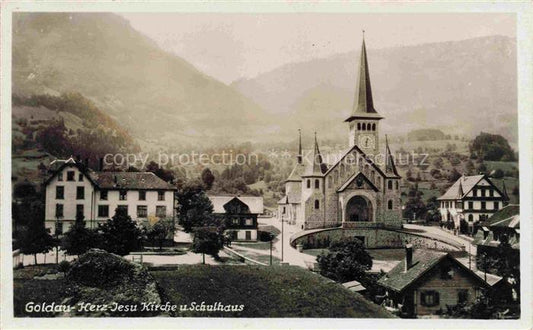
[469, 258]
[282, 238]
[271, 239]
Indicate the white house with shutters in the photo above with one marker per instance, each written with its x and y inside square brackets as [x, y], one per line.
[73, 188]
[472, 199]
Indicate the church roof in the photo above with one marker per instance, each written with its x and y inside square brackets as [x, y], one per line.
[353, 177]
[363, 106]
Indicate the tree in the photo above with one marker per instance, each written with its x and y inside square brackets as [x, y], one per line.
[120, 234]
[207, 178]
[347, 260]
[492, 147]
[433, 213]
[79, 239]
[35, 238]
[497, 174]
[165, 175]
[194, 206]
[207, 240]
[454, 175]
[159, 231]
[414, 207]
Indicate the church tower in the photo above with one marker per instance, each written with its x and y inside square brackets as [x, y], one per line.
[364, 120]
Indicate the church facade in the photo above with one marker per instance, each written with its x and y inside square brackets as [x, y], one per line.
[361, 189]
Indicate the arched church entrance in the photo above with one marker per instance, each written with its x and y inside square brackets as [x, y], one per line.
[359, 208]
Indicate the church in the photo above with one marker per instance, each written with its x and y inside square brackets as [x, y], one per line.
[361, 189]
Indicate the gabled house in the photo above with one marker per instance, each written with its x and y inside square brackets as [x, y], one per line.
[471, 199]
[240, 215]
[427, 282]
[73, 188]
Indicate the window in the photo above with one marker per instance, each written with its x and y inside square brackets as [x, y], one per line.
[470, 217]
[389, 185]
[160, 195]
[317, 184]
[236, 221]
[390, 204]
[123, 207]
[79, 209]
[283, 212]
[308, 183]
[60, 177]
[491, 193]
[317, 204]
[373, 127]
[483, 205]
[142, 211]
[60, 192]
[80, 177]
[123, 195]
[364, 127]
[59, 210]
[496, 205]
[358, 126]
[462, 296]
[160, 211]
[474, 192]
[248, 235]
[429, 298]
[397, 185]
[249, 222]
[80, 192]
[70, 176]
[103, 210]
[483, 192]
[103, 195]
[59, 228]
[470, 205]
[142, 195]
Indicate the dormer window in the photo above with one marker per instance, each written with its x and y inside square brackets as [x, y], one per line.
[70, 176]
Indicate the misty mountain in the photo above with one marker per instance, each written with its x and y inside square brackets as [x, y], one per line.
[154, 94]
[461, 87]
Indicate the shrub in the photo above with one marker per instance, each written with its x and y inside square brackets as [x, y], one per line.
[265, 236]
[63, 266]
[97, 268]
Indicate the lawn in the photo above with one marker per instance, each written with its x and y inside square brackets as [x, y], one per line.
[277, 291]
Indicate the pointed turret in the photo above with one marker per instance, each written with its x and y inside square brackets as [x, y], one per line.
[300, 154]
[317, 168]
[460, 191]
[363, 106]
[389, 160]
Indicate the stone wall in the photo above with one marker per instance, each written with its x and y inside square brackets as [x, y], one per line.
[376, 238]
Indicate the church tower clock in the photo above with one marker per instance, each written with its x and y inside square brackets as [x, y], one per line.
[364, 119]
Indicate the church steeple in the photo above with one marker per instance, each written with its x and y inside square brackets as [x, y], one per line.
[363, 106]
[318, 167]
[300, 154]
[389, 160]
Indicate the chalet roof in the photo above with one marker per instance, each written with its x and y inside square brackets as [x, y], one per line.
[464, 184]
[130, 180]
[363, 106]
[255, 204]
[508, 216]
[423, 260]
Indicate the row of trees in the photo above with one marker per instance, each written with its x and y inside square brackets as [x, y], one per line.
[119, 235]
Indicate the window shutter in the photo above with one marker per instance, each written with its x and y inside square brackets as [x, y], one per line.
[437, 302]
[423, 298]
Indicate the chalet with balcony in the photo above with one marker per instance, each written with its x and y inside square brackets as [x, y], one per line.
[470, 200]
[240, 215]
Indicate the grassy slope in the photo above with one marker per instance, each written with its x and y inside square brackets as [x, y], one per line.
[265, 291]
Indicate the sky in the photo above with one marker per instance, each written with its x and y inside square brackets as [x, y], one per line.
[229, 47]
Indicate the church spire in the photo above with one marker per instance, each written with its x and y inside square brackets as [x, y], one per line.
[318, 167]
[300, 154]
[389, 160]
[363, 106]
